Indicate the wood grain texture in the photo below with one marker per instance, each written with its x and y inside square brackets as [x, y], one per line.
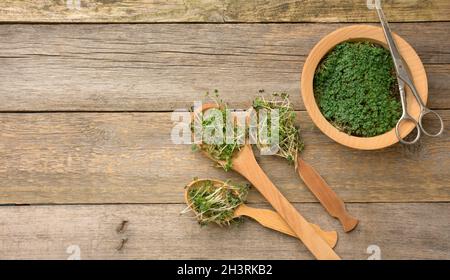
[402, 231]
[129, 158]
[167, 66]
[218, 11]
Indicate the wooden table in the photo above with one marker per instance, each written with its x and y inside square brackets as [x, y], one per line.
[85, 128]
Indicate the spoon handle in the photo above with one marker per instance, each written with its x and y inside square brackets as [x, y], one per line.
[272, 220]
[328, 198]
[245, 164]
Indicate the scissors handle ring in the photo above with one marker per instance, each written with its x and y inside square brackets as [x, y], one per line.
[407, 118]
[425, 111]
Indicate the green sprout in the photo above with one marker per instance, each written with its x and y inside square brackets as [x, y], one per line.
[356, 89]
[289, 140]
[215, 203]
[221, 152]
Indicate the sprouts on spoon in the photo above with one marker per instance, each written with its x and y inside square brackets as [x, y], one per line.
[223, 151]
[214, 202]
[290, 143]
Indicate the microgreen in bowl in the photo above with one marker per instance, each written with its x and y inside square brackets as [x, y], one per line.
[356, 89]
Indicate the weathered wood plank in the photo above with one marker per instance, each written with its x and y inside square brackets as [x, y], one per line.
[401, 231]
[129, 158]
[218, 11]
[164, 67]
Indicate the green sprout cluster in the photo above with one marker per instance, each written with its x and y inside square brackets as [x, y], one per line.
[221, 152]
[356, 89]
[216, 203]
[290, 142]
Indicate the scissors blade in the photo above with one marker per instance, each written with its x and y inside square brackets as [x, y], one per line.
[396, 57]
[401, 88]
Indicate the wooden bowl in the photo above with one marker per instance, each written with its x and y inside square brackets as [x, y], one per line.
[362, 33]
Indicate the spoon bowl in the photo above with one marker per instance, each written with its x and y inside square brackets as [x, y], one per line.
[265, 217]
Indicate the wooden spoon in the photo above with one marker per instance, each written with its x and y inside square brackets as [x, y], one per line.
[327, 197]
[332, 203]
[244, 163]
[265, 217]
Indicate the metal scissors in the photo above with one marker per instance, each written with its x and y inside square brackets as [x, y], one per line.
[403, 79]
